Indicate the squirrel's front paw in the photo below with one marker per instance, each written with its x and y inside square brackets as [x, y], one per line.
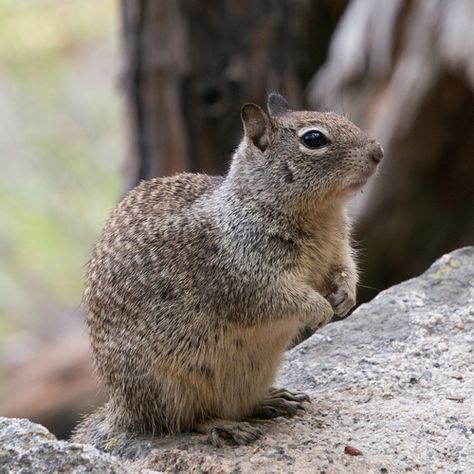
[280, 402]
[342, 296]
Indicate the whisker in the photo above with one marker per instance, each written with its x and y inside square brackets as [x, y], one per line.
[369, 287]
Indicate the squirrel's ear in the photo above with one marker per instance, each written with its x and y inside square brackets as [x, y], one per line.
[256, 125]
[277, 105]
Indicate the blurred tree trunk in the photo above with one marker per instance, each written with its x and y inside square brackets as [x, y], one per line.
[189, 67]
[404, 71]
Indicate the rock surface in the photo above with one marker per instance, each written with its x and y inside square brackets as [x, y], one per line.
[394, 381]
[28, 448]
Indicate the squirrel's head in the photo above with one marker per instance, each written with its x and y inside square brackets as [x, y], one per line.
[314, 154]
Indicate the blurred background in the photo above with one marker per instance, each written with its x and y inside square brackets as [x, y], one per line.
[95, 96]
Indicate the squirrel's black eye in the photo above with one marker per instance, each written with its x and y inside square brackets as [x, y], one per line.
[314, 139]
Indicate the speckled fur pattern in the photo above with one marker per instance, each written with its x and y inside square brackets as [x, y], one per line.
[199, 283]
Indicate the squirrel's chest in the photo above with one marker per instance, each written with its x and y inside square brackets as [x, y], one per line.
[248, 358]
[316, 257]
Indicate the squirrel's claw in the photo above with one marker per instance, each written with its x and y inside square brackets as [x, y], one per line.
[280, 402]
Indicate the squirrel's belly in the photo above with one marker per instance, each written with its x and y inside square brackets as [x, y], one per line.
[246, 364]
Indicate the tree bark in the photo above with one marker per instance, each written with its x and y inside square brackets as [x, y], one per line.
[189, 67]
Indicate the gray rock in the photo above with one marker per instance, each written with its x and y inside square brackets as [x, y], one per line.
[394, 380]
[28, 448]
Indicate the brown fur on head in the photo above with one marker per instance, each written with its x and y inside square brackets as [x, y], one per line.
[311, 155]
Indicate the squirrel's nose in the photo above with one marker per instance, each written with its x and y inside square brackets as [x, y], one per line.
[376, 152]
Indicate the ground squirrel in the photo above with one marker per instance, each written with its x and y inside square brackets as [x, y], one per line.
[199, 283]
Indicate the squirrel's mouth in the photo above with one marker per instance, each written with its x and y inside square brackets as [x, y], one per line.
[359, 182]
[355, 184]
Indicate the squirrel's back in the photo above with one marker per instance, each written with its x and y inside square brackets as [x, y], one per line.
[132, 286]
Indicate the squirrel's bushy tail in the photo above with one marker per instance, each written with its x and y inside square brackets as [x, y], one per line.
[97, 429]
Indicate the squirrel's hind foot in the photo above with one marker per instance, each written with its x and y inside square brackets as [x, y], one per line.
[236, 432]
[280, 402]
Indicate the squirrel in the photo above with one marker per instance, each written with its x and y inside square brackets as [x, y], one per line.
[199, 283]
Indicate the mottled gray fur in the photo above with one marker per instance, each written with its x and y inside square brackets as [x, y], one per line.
[199, 283]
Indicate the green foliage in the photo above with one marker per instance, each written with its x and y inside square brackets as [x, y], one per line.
[60, 147]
